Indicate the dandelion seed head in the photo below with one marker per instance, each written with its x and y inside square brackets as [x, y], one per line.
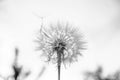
[60, 37]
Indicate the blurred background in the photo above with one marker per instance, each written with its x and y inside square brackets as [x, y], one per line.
[98, 20]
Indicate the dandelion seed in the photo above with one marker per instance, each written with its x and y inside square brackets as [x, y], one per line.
[60, 43]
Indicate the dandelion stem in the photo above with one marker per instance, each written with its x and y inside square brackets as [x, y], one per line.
[58, 72]
[59, 63]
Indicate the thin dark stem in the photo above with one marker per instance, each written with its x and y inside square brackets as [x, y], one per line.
[59, 63]
[58, 72]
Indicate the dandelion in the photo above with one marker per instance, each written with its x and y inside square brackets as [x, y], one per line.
[60, 43]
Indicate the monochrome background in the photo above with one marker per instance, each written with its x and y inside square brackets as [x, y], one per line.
[98, 20]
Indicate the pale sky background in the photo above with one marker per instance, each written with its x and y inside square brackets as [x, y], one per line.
[98, 20]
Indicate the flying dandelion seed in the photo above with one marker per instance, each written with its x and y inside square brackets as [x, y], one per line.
[60, 43]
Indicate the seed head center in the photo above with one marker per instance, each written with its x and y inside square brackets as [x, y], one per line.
[59, 45]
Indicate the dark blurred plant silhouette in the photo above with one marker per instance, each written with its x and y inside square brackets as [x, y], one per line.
[19, 72]
[97, 75]
[17, 69]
